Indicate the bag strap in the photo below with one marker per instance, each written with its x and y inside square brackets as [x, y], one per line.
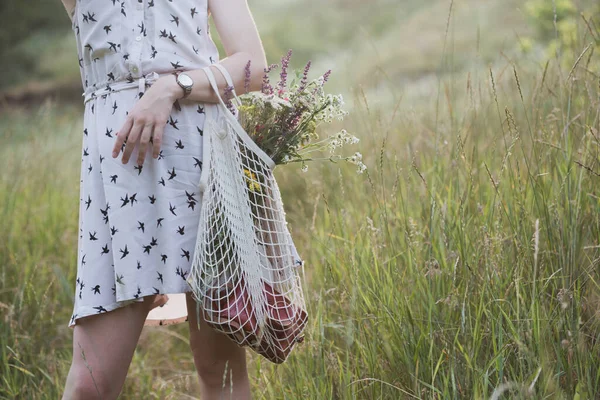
[213, 84]
[228, 80]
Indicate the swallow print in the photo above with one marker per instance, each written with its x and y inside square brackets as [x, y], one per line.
[173, 123]
[133, 238]
[186, 254]
[197, 163]
[124, 252]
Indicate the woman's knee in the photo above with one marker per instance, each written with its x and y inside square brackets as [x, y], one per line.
[84, 384]
[221, 373]
[217, 363]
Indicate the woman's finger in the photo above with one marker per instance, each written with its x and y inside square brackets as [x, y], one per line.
[132, 139]
[144, 139]
[159, 129]
[121, 136]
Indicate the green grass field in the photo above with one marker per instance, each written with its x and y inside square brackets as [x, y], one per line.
[466, 264]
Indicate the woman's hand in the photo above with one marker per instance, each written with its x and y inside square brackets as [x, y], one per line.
[147, 119]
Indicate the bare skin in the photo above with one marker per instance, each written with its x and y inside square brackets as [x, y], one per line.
[104, 344]
[103, 347]
[211, 351]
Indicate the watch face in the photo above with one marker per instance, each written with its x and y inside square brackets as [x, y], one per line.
[185, 80]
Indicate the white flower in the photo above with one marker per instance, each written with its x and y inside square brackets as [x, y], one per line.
[356, 159]
[334, 144]
[278, 102]
[304, 168]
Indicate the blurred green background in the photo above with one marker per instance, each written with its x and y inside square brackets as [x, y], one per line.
[464, 264]
[377, 44]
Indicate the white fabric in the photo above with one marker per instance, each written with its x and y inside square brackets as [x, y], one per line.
[138, 226]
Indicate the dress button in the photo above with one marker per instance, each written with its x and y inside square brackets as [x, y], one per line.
[138, 38]
[135, 70]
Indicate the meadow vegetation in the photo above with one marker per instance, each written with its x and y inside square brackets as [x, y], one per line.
[464, 264]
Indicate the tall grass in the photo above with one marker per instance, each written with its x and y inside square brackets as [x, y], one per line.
[464, 264]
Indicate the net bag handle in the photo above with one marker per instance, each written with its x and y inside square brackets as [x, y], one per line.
[213, 84]
[243, 135]
[229, 81]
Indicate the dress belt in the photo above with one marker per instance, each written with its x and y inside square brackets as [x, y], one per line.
[142, 82]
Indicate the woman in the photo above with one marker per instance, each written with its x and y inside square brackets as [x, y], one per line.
[144, 96]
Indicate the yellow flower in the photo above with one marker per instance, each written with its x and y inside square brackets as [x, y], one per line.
[253, 184]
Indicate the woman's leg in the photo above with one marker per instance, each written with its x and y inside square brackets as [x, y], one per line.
[103, 346]
[211, 351]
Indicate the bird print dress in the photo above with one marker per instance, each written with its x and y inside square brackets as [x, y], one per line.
[138, 224]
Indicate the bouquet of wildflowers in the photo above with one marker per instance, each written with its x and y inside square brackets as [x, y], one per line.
[283, 120]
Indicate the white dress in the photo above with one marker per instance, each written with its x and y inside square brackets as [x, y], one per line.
[138, 224]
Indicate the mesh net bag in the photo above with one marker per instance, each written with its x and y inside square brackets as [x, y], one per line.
[245, 271]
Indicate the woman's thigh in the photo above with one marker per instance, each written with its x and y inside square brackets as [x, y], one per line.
[103, 346]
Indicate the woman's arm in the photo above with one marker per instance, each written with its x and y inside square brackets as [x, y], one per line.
[241, 41]
[70, 7]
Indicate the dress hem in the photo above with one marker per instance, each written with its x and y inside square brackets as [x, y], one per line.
[86, 311]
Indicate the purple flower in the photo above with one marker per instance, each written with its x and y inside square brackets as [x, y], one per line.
[294, 118]
[285, 62]
[326, 76]
[266, 84]
[247, 78]
[304, 80]
[228, 96]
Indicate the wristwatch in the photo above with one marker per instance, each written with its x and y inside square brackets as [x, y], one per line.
[185, 82]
